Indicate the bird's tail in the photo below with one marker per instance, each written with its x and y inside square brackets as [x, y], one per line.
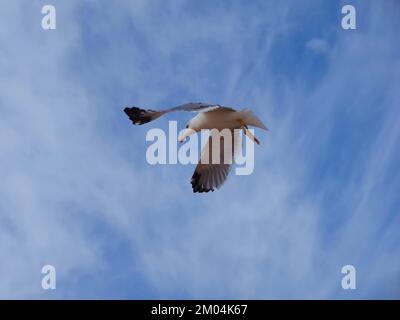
[248, 118]
[141, 116]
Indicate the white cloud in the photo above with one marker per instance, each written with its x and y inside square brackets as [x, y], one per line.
[318, 45]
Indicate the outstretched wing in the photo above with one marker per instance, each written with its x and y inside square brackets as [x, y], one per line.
[209, 175]
[140, 116]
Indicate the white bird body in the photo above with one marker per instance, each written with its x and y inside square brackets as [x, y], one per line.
[224, 119]
[216, 119]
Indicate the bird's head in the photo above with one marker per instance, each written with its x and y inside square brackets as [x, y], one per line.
[186, 132]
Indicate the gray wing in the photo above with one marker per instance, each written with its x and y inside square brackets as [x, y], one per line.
[209, 175]
[199, 107]
[140, 116]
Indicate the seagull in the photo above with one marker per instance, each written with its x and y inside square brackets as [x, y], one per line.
[207, 175]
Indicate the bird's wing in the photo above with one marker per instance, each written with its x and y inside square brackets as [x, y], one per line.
[199, 107]
[140, 116]
[209, 175]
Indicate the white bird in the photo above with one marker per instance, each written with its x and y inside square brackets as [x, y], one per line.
[207, 175]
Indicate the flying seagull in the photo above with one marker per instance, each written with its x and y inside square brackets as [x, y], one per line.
[207, 175]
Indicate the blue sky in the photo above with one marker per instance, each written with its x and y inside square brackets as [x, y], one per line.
[76, 191]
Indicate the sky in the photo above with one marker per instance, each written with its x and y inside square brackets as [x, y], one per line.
[77, 193]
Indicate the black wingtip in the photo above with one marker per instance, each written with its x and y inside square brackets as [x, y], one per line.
[196, 186]
[138, 116]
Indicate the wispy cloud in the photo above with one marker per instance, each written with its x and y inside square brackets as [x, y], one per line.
[318, 45]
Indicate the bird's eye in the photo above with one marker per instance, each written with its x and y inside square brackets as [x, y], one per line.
[187, 126]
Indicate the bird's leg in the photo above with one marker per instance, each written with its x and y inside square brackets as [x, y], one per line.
[249, 134]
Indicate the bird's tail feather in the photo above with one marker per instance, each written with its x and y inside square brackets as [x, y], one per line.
[248, 117]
